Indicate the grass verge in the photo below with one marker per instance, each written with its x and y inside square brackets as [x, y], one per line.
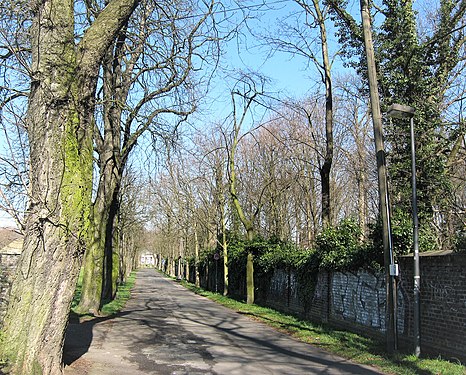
[111, 307]
[349, 345]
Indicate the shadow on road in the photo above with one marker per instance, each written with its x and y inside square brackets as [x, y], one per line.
[79, 336]
[166, 329]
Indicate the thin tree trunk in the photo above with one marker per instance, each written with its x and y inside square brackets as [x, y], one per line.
[249, 230]
[250, 272]
[197, 280]
[225, 253]
[362, 201]
[328, 158]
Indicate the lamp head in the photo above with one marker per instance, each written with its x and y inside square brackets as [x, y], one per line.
[400, 111]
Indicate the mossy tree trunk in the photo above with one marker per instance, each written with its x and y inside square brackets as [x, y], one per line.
[225, 249]
[100, 267]
[98, 262]
[250, 271]
[248, 223]
[220, 189]
[60, 112]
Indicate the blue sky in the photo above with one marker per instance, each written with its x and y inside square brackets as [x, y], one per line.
[289, 76]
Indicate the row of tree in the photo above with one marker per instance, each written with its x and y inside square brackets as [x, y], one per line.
[97, 78]
[306, 164]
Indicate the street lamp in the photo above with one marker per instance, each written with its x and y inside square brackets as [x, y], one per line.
[404, 111]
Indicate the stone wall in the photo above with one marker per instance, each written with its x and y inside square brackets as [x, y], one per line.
[9, 256]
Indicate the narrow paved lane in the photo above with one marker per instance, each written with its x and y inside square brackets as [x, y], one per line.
[166, 329]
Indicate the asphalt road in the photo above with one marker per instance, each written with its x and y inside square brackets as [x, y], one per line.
[166, 329]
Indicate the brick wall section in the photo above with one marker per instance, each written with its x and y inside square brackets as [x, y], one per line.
[356, 301]
[443, 303]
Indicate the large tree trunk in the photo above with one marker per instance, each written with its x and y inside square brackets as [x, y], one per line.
[101, 262]
[98, 262]
[92, 271]
[60, 135]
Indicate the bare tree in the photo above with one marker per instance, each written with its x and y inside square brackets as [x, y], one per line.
[296, 39]
[354, 118]
[63, 75]
[243, 97]
[147, 86]
[14, 90]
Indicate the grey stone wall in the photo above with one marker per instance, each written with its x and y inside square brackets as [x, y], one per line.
[7, 270]
[9, 256]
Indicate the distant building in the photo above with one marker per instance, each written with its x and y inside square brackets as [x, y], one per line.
[147, 260]
[11, 243]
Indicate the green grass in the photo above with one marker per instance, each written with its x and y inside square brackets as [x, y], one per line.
[2, 361]
[111, 307]
[349, 345]
[122, 296]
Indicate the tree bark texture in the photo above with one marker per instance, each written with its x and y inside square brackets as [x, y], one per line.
[98, 263]
[328, 158]
[248, 225]
[60, 112]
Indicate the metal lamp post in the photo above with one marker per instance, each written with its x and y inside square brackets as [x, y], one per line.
[404, 111]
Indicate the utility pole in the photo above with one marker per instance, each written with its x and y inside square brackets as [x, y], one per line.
[382, 176]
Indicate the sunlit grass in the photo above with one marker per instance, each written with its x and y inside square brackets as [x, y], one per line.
[112, 307]
[123, 294]
[359, 349]
[2, 361]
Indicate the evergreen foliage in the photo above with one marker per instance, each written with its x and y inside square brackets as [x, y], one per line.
[415, 70]
[340, 248]
[406, 78]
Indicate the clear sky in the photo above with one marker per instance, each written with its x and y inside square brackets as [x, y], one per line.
[289, 76]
